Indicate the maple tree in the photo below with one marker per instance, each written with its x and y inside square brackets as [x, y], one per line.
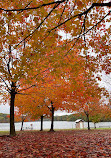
[31, 104]
[55, 92]
[42, 100]
[16, 58]
[87, 97]
[96, 116]
[30, 41]
[98, 111]
[21, 114]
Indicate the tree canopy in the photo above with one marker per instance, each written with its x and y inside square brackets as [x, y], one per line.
[31, 44]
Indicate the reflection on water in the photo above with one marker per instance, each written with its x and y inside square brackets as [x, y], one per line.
[47, 124]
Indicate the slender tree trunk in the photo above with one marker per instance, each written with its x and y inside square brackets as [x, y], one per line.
[94, 125]
[22, 125]
[42, 123]
[22, 122]
[52, 118]
[12, 126]
[88, 121]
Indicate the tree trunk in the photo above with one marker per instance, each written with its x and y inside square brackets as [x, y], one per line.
[42, 123]
[22, 125]
[12, 126]
[94, 125]
[52, 118]
[88, 121]
[22, 122]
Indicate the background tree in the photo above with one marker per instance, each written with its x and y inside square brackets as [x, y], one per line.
[44, 99]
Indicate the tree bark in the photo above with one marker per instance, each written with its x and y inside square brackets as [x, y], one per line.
[12, 126]
[22, 125]
[52, 118]
[88, 121]
[12, 100]
[42, 123]
[23, 119]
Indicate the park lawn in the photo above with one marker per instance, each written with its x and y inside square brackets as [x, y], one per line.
[59, 144]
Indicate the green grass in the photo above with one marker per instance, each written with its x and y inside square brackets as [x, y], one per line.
[92, 129]
[4, 133]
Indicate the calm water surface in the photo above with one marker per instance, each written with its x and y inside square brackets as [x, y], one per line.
[47, 124]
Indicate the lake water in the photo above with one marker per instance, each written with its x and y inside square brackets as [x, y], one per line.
[47, 124]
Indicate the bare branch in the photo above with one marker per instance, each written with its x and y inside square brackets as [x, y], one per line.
[96, 23]
[36, 28]
[25, 7]
[26, 88]
[9, 90]
[23, 94]
[49, 108]
[85, 38]
[8, 64]
[75, 41]
[63, 11]
[42, 72]
[83, 13]
[80, 35]
[40, 6]
[58, 22]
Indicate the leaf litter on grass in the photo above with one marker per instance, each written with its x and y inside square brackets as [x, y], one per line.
[60, 144]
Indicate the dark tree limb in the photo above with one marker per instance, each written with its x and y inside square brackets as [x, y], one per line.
[8, 64]
[37, 27]
[83, 13]
[40, 6]
[96, 23]
[80, 35]
[25, 7]
[26, 88]
[5, 84]
[63, 11]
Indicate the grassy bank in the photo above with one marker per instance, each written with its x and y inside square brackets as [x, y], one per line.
[85, 129]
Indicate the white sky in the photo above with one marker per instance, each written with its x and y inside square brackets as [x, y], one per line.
[6, 109]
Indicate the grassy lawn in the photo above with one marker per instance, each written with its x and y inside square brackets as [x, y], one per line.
[58, 144]
[17, 132]
[4, 133]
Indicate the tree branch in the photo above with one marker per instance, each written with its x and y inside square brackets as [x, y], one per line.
[26, 88]
[96, 23]
[76, 40]
[80, 35]
[40, 6]
[63, 11]
[25, 7]
[36, 28]
[23, 94]
[49, 108]
[9, 90]
[8, 64]
[83, 13]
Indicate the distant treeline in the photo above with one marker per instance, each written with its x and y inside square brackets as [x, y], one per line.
[4, 118]
[78, 116]
[69, 118]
